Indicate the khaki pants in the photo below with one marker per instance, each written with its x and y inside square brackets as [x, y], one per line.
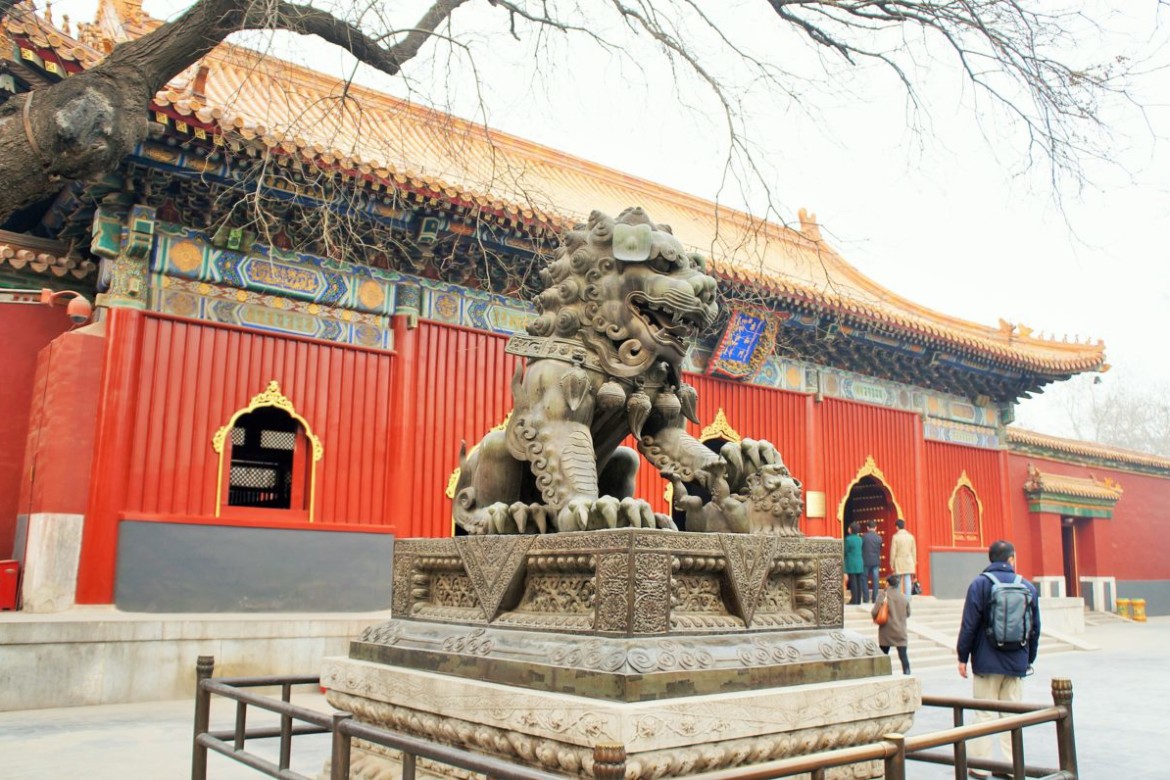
[1000, 687]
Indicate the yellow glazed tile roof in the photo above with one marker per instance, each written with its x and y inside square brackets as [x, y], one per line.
[1085, 449]
[325, 120]
[41, 256]
[1079, 487]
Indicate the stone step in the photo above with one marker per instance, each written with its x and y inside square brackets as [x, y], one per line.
[1093, 618]
[934, 626]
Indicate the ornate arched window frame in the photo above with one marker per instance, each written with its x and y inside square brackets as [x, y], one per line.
[870, 469]
[964, 483]
[720, 428]
[271, 397]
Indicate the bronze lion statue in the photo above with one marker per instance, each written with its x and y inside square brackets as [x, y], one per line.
[622, 304]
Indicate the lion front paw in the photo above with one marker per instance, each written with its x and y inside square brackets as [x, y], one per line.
[517, 518]
[747, 457]
[588, 514]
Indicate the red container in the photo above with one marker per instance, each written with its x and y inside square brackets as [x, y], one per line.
[9, 582]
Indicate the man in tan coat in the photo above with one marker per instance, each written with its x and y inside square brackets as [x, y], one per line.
[904, 556]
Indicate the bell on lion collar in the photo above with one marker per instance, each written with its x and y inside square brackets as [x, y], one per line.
[668, 405]
[610, 396]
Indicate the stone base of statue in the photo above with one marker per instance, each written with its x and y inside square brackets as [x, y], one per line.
[694, 651]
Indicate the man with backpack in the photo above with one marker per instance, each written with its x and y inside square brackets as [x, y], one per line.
[1000, 636]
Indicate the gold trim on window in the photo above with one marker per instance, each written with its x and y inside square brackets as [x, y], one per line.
[270, 397]
[965, 482]
[870, 469]
[720, 428]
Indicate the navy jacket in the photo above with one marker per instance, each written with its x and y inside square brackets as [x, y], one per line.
[974, 644]
[871, 548]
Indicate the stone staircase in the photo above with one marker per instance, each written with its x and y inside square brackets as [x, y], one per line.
[1103, 618]
[934, 628]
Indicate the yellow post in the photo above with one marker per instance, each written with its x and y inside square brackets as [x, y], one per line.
[1123, 609]
[1138, 607]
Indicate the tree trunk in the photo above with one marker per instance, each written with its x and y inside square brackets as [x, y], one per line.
[82, 127]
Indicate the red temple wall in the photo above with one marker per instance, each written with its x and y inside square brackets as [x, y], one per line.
[1127, 546]
[62, 418]
[391, 426]
[194, 376]
[850, 434]
[946, 465]
[170, 383]
[456, 386]
[27, 329]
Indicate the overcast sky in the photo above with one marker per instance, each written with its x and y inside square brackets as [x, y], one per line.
[947, 215]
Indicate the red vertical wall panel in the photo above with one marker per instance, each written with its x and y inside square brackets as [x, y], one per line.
[26, 328]
[851, 434]
[61, 425]
[194, 375]
[946, 463]
[460, 391]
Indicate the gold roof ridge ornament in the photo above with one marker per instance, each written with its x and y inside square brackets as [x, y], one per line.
[273, 397]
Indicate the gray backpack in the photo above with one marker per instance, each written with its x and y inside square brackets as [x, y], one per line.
[1009, 612]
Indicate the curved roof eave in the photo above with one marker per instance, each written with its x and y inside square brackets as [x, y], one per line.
[325, 120]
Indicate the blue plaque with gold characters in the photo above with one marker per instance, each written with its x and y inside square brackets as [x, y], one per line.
[746, 344]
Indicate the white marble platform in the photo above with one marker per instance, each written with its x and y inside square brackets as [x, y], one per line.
[664, 738]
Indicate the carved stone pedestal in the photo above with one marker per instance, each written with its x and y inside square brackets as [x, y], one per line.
[694, 651]
[664, 738]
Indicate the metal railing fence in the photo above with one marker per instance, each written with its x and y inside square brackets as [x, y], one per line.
[894, 750]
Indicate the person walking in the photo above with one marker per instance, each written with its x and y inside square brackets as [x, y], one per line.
[904, 556]
[893, 632]
[999, 637]
[871, 559]
[854, 568]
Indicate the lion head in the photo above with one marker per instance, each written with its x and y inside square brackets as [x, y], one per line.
[629, 290]
[775, 500]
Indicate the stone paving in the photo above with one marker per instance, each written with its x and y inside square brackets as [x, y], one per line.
[1121, 706]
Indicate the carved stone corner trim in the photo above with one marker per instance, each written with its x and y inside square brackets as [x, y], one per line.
[495, 566]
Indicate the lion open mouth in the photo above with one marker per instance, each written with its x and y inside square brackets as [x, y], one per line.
[670, 319]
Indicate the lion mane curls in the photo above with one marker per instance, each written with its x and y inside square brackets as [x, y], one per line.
[572, 296]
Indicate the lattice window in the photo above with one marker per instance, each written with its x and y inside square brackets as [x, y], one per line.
[267, 461]
[278, 440]
[262, 467]
[965, 514]
[254, 477]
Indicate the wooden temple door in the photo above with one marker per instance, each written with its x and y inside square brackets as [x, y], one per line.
[1068, 544]
[870, 499]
